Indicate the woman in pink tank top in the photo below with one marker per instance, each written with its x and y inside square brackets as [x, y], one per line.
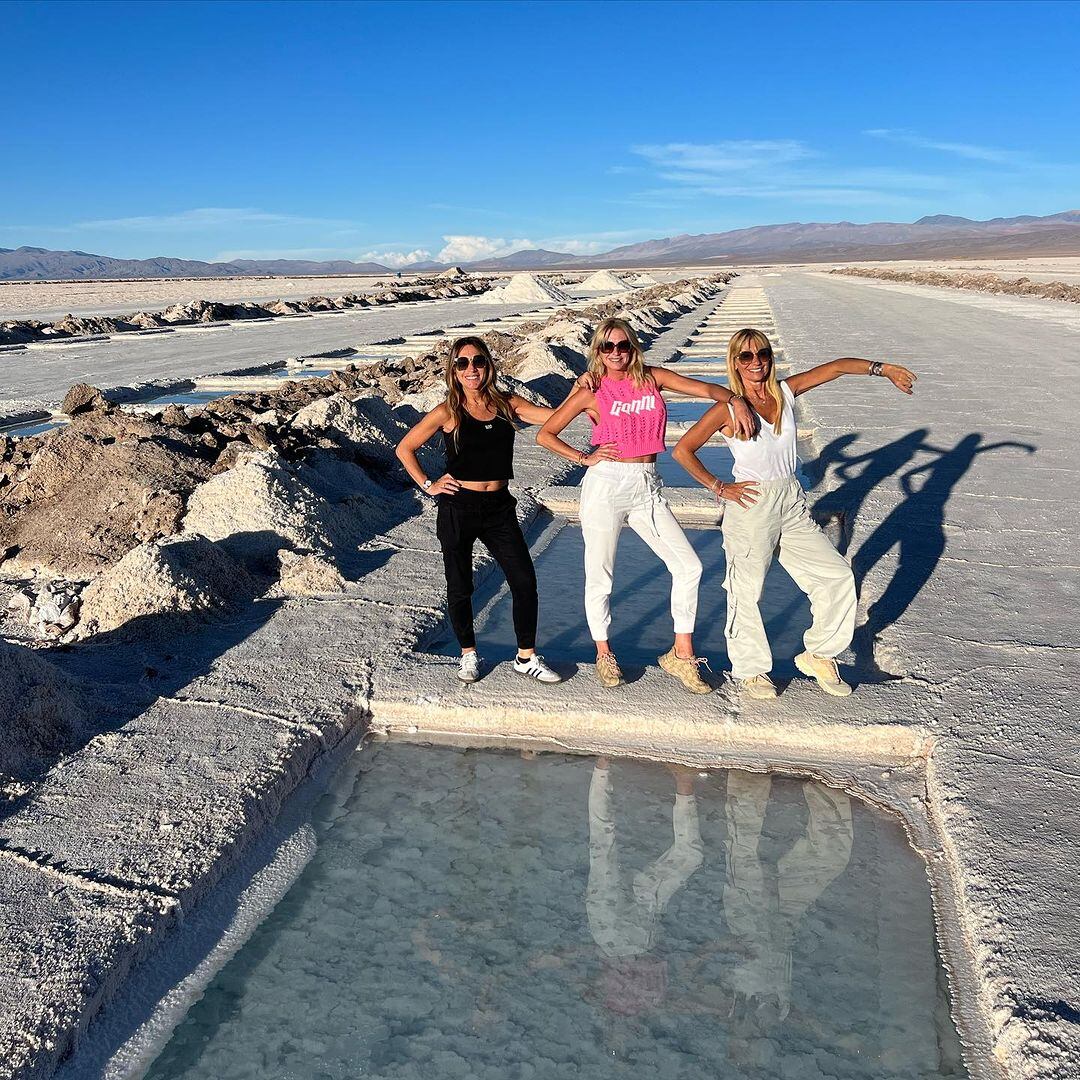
[626, 407]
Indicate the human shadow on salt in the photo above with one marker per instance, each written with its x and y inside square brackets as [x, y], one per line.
[914, 528]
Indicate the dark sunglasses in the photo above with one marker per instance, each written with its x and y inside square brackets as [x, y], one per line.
[463, 362]
[620, 347]
[762, 354]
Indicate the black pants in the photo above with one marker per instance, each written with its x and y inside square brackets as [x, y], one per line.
[487, 516]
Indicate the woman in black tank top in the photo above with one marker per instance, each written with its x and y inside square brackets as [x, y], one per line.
[478, 424]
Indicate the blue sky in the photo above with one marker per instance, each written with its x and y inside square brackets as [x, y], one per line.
[457, 130]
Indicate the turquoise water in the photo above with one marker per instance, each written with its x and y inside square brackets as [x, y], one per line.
[486, 915]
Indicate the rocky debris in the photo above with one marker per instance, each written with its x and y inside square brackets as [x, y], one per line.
[25, 331]
[453, 272]
[360, 423]
[166, 579]
[307, 575]
[44, 713]
[204, 311]
[986, 283]
[49, 609]
[231, 456]
[174, 416]
[145, 320]
[81, 496]
[82, 398]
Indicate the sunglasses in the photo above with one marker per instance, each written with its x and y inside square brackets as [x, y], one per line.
[762, 354]
[623, 348]
[463, 362]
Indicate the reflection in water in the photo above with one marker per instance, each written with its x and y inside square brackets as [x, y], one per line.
[624, 911]
[489, 915]
[764, 916]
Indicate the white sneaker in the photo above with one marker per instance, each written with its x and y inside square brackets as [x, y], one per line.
[536, 667]
[760, 688]
[823, 669]
[470, 667]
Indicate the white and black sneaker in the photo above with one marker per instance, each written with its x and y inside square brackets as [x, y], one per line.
[536, 668]
[470, 667]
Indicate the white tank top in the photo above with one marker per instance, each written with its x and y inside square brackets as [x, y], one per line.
[768, 456]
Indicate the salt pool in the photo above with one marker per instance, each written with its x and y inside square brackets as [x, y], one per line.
[473, 913]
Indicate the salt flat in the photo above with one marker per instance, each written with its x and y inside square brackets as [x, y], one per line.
[964, 717]
[48, 300]
[39, 377]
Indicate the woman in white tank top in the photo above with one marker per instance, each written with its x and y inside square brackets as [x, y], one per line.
[766, 505]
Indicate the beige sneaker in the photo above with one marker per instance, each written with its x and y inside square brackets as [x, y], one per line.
[608, 672]
[760, 688]
[824, 671]
[686, 671]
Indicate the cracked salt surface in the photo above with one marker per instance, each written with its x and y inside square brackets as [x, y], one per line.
[495, 915]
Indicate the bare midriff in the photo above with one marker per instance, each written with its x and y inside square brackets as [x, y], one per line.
[482, 485]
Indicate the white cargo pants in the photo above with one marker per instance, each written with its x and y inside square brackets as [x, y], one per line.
[615, 493]
[751, 534]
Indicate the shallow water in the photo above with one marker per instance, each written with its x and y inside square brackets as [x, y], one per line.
[480, 914]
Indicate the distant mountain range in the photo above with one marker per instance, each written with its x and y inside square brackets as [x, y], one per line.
[40, 264]
[940, 236]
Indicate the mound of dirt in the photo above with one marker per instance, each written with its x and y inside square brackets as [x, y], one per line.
[44, 714]
[987, 283]
[265, 503]
[176, 576]
[77, 499]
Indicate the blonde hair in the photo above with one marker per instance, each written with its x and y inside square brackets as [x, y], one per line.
[754, 339]
[490, 394]
[636, 367]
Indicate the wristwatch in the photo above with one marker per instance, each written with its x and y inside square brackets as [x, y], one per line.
[427, 483]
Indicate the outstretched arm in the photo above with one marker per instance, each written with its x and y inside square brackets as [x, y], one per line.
[718, 418]
[528, 413]
[745, 420]
[548, 436]
[899, 376]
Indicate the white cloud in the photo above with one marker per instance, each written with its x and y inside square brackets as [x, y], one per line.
[781, 169]
[470, 248]
[723, 158]
[965, 150]
[395, 258]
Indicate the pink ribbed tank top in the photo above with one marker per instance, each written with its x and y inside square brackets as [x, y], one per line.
[632, 417]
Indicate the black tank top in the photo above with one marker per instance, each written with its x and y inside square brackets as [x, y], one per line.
[484, 450]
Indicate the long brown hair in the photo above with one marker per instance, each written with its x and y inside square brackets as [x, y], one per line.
[490, 394]
[754, 339]
[635, 369]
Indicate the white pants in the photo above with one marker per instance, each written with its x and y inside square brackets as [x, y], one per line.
[751, 534]
[615, 493]
[624, 911]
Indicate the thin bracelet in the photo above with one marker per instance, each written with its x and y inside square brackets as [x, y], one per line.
[719, 494]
